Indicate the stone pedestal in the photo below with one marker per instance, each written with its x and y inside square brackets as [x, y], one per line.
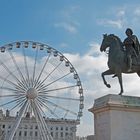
[117, 118]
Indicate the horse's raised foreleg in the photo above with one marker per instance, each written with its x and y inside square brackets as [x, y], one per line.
[108, 72]
[120, 82]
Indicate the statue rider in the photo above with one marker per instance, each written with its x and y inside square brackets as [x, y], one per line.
[131, 44]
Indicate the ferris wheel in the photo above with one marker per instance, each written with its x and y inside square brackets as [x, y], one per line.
[37, 79]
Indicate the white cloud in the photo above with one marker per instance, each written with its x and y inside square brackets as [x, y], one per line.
[117, 18]
[69, 12]
[121, 13]
[121, 17]
[114, 23]
[88, 128]
[67, 20]
[94, 49]
[63, 45]
[89, 67]
[67, 26]
[137, 11]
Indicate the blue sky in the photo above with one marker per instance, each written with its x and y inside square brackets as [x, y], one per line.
[71, 22]
[75, 28]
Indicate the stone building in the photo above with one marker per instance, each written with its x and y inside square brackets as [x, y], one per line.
[60, 129]
[89, 137]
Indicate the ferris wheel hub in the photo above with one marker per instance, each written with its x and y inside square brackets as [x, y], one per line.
[31, 93]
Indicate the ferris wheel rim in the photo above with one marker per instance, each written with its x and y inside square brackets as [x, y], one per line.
[58, 53]
[33, 89]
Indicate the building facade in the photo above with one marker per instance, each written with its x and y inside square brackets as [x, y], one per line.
[60, 129]
[89, 137]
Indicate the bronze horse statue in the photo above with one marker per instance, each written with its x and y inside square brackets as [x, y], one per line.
[117, 60]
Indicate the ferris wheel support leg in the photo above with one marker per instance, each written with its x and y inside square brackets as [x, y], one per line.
[38, 121]
[44, 125]
[17, 122]
[49, 137]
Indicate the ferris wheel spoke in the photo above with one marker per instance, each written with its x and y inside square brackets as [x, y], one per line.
[19, 88]
[18, 69]
[14, 90]
[27, 108]
[40, 105]
[10, 73]
[19, 104]
[56, 80]
[8, 81]
[9, 102]
[25, 63]
[56, 89]
[22, 85]
[42, 69]
[11, 95]
[59, 97]
[47, 108]
[67, 110]
[30, 110]
[58, 106]
[45, 105]
[34, 68]
[49, 74]
[18, 120]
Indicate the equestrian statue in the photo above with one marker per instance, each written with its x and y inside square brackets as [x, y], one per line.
[123, 57]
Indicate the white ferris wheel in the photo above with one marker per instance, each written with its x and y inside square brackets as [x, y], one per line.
[37, 79]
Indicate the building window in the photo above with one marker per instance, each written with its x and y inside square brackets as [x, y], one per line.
[51, 128]
[61, 128]
[36, 134]
[31, 133]
[20, 133]
[52, 134]
[36, 127]
[61, 134]
[3, 126]
[25, 127]
[25, 133]
[56, 128]
[56, 135]
[9, 126]
[20, 127]
[66, 128]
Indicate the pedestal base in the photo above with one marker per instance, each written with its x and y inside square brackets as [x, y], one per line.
[117, 118]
